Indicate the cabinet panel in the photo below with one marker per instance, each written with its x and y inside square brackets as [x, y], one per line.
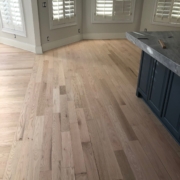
[158, 87]
[171, 115]
[145, 75]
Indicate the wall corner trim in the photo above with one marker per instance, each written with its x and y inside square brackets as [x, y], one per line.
[61, 42]
[21, 45]
[104, 36]
[38, 50]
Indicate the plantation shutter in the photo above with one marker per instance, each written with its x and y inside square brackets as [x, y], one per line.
[63, 12]
[123, 9]
[104, 8]
[163, 11]
[11, 14]
[175, 15]
[69, 8]
[114, 10]
[58, 9]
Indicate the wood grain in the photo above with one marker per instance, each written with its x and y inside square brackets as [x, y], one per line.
[72, 114]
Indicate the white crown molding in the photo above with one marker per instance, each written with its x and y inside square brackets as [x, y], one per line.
[104, 36]
[21, 45]
[61, 42]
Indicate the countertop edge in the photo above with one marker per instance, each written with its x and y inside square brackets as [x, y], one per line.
[155, 54]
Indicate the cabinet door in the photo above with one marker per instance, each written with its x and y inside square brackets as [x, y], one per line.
[171, 114]
[158, 88]
[145, 75]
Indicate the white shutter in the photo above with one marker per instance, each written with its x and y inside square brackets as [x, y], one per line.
[114, 11]
[69, 6]
[163, 11]
[16, 15]
[123, 9]
[63, 12]
[104, 8]
[11, 15]
[175, 15]
[6, 14]
[58, 9]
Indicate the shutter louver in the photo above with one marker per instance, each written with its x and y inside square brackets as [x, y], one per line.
[58, 9]
[175, 15]
[63, 12]
[69, 8]
[11, 14]
[163, 11]
[114, 11]
[104, 8]
[123, 9]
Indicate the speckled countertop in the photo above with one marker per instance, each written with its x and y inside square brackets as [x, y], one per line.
[169, 57]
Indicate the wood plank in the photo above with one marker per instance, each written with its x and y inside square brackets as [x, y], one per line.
[56, 139]
[67, 155]
[143, 160]
[47, 141]
[82, 125]
[67, 174]
[36, 150]
[124, 165]
[64, 113]
[91, 167]
[72, 112]
[56, 100]
[79, 164]
[45, 175]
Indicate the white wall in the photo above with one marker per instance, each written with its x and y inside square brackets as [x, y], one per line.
[104, 31]
[31, 42]
[146, 20]
[61, 36]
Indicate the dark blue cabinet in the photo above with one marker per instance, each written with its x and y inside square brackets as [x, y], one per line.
[145, 75]
[171, 114]
[160, 88]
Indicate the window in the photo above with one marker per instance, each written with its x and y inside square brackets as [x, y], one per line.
[12, 20]
[167, 12]
[113, 11]
[62, 13]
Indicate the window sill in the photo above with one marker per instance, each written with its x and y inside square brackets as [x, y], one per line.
[19, 33]
[63, 26]
[165, 24]
[112, 22]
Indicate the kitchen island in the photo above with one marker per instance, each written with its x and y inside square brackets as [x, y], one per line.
[159, 76]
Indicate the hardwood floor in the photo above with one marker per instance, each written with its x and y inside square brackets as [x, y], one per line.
[72, 113]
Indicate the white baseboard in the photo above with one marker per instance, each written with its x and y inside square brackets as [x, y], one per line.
[21, 45]
[104, 36]
[61, 42]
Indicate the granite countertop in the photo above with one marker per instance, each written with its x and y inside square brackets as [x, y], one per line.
[169, 57]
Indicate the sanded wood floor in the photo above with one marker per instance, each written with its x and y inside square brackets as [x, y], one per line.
[72, 114]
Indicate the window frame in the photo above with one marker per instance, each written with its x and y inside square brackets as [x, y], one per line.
[60, 25]
[93, 11]
[16, 32]
[161, 23]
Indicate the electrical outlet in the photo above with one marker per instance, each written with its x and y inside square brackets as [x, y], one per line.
[79, 30]
[14, 35]
[44, 4]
